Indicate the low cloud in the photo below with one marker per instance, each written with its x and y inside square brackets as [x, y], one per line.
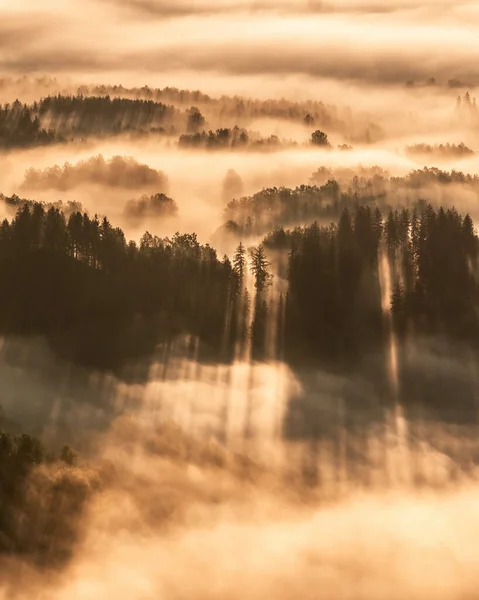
[322, 40]
[181, 8]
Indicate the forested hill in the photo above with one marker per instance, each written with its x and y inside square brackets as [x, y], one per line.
[329, 192]
[57, 118]
[103, 301]
[60, 118]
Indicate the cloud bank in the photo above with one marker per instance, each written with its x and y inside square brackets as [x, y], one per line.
[364, 42]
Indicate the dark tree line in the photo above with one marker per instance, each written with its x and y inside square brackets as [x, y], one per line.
[88, 115]
[103, 301]
[76, 117]
[100, 299]
[415, 341]
[336, 314]
[333, 305]
[20, 126]
[433, 257]
[112, 109]
[62, 117]
[334, 298]
[445, 151]
[433, 261]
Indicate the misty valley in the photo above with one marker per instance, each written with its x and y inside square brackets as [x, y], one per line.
[239, 300]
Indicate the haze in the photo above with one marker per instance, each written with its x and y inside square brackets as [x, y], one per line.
[239, 301]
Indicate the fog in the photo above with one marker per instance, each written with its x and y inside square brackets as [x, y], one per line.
[253, 38]
[200, 478]
[193, 473]
[199, 196]
[165, 500]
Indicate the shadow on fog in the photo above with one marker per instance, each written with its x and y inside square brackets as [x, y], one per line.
[258, 430]
[242, 404]
[327, 430]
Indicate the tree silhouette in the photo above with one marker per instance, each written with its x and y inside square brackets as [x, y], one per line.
[319, 138]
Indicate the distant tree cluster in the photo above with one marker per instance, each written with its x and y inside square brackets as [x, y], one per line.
[154, 206]
[196, 120]
[253, 215]
[422, 178]
[319, 138]
[309, 113]
[167, 94]
[118, 172]
[445, 151]
[452, 83]
[221, 138]
[14, 202]
[231, 138]
[329, 192]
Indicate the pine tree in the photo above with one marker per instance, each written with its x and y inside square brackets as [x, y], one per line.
[259, 268]
[397, 298]
[239, 265]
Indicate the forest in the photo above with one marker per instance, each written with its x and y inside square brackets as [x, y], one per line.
[61, 118]
[102, 299]
[239, 292]
[304, 284]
